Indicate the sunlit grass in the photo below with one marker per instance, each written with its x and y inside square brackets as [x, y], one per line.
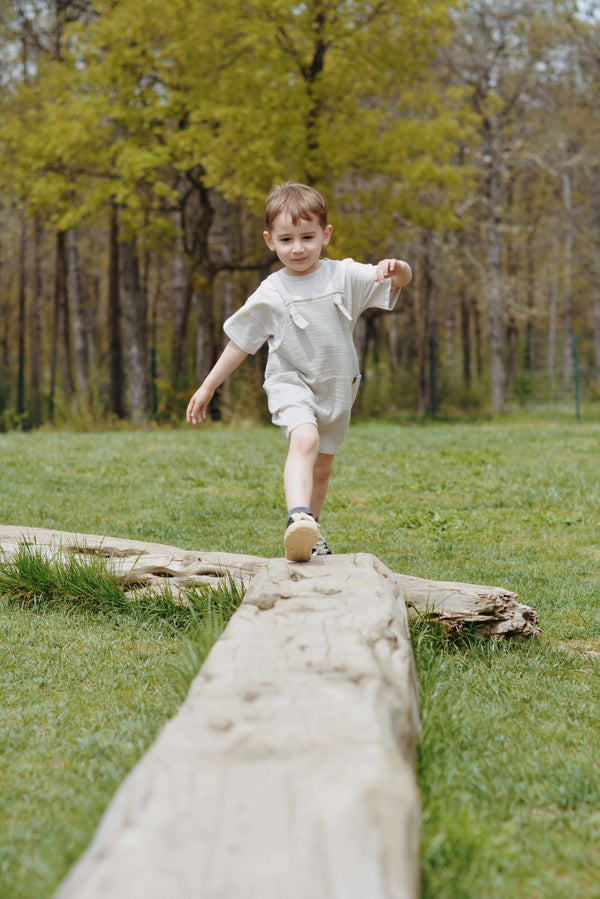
[87, 678]
[508, 757]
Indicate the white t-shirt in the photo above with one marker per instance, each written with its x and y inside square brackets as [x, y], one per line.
[263, 316]
[312, 372]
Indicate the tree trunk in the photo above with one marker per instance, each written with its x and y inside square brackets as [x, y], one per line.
[394, 342]
[552, 315]
[493, 160]
[135, 303]
[568, 279]
[596, 293]
[35, 329]
[78, 321]
[512, 336]
[531, 329]
[427, 323]
[21, 324]
[465, 333]
[115, 348]
[182, 290]
[476, 314]
[207, 346]
[62, 339]
[450, 322]
[5, 329]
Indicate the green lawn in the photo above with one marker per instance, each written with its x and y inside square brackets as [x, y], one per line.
[509, 755]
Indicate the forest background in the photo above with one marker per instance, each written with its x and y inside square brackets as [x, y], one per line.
[138, 140]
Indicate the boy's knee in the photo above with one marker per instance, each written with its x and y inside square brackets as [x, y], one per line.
[305, 439]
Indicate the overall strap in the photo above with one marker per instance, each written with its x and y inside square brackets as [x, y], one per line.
[337, 299]
[334, 292]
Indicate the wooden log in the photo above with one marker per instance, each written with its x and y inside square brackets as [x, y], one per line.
[289, 770]
[484, 611]
[136, 562]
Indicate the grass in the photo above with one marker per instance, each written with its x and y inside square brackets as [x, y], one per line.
[508, 758]
[87, 678]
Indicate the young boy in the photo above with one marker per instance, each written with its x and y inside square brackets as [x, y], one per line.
[307, 312]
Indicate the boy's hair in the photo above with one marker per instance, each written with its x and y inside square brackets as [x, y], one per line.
[299, 200]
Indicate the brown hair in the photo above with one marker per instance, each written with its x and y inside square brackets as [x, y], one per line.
[299, 200]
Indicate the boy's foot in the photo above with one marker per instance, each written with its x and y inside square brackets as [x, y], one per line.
[300, 537]
[320, 548]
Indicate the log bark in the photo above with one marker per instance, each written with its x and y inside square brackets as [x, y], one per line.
[289, 770]
[482, 610]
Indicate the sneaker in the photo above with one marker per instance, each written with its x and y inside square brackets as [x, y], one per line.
[321, 548]
[300, 537]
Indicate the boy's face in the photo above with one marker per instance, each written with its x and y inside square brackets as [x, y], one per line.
[298, 247]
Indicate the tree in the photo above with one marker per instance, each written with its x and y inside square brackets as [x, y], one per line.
[498, 51]
[154, 110]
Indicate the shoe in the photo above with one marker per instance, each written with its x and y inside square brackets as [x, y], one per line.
[300, 537]
[321, 548]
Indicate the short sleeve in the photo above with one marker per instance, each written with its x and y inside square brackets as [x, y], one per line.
[252, 325]
[361, 291]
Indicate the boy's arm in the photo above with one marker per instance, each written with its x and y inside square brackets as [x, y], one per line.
[399, 271]
[228, 361]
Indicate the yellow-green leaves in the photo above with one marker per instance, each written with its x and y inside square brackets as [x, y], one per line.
[247, 91]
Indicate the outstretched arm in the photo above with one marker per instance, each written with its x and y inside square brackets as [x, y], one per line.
[228, 361]
[399, 271]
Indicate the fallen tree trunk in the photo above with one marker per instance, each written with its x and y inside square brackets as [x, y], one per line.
[289, 770]
[482, 610]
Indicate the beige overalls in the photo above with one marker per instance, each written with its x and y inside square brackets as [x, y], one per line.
[312, 375]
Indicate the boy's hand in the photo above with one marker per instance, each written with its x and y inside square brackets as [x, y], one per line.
[399, 271]
[197, 406]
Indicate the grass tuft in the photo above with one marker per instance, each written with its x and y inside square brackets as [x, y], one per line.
[33, 577]
[87, 678]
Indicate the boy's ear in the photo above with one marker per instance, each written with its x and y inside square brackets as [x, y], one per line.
[269, 240]
[327, 234]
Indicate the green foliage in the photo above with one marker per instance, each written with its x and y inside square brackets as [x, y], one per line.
[140, 92]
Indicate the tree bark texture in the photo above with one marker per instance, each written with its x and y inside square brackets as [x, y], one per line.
[567, 195]
[493, 161]
[115, 349]
[289, 770]
[136, 313]
[77, 319]
[483, 610]
[35, 329]
[21, 323]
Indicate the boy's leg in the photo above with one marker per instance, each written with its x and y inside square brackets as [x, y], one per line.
[302, 531]
[321, 475]
[299, 466]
